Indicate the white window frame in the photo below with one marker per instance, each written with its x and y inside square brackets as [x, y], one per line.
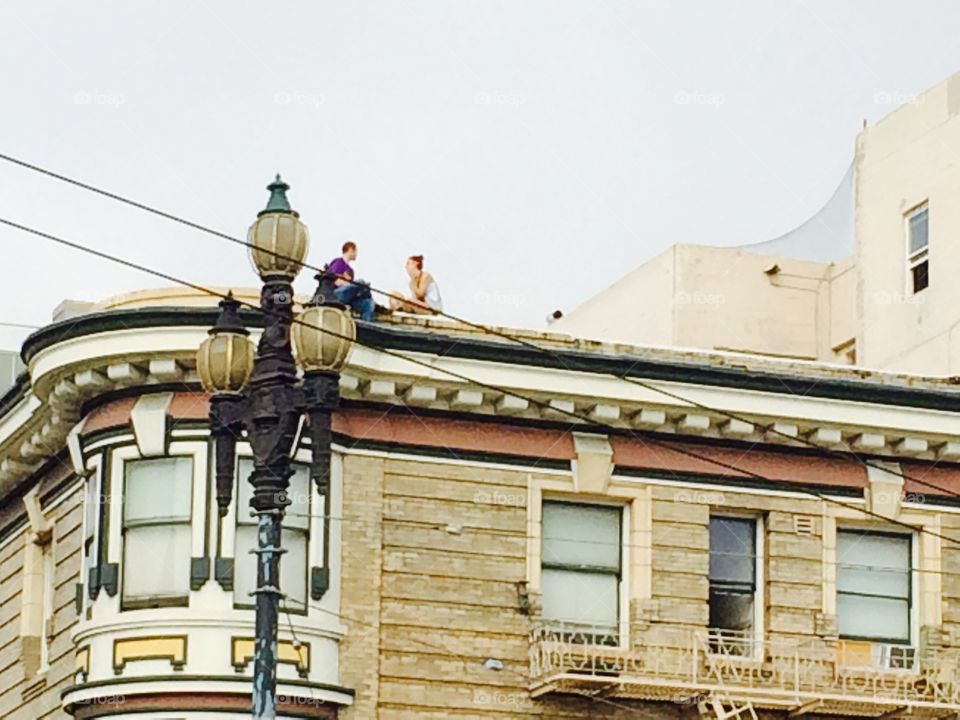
[623, 591]
[913, 619]
[915, 258]
[314, 540]
[91, 534]
[760, 580]
[118, 458]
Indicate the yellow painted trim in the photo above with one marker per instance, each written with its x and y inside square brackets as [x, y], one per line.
[242, 651]
[82, 661]
[172, 648]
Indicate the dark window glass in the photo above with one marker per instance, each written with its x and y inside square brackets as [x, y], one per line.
[921, 276]
[733, 575]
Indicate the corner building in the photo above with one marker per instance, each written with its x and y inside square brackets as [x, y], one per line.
[483, 553]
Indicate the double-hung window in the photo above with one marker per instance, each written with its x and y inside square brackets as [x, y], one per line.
[295, 539]
[733, 582]
[918, 248]
[157, 502]
[581, 567]
[874, 586]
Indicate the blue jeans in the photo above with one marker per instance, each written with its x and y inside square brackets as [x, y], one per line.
[356, 296]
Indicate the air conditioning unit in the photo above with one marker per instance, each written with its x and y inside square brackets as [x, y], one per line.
[895, 657]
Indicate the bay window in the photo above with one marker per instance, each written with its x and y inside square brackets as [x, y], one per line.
[734, 607]
[874, 586]
[581, 566]
[157, 502]
[294, 565]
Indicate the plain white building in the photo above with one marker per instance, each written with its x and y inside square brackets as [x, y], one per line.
[866, 280]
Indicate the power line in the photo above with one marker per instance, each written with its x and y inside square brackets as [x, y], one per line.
[849, 453]
[477, 383]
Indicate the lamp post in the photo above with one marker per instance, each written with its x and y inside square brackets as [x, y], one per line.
[258, 396]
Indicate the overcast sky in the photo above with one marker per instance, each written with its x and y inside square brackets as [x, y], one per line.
[532, 151]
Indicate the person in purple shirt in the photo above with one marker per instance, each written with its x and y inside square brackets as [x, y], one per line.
[351, 292]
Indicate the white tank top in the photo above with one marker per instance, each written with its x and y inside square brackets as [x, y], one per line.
[432, 296]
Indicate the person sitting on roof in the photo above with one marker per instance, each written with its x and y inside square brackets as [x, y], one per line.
[349, 291]
[424, 292]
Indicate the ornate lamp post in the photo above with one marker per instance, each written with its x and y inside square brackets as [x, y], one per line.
[259, 396]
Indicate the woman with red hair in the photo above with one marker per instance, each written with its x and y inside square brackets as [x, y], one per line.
[424, 296]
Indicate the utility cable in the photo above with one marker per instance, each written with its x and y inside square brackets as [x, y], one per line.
[464, 378]
[847, 454]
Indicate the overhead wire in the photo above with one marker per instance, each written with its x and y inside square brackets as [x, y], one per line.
[568, 362]
[472, 381]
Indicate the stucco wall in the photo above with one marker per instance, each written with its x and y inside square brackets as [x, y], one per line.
[725, 301]
[908, 158]
[637, 308]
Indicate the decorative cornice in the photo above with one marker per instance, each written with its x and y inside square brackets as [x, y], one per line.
[71, 379]
[697, 368]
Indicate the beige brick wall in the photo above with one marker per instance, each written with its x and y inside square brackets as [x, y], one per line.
[432, 575]
[447, 564]
[35, 698]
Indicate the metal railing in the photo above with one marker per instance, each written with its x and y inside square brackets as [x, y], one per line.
[667, 662]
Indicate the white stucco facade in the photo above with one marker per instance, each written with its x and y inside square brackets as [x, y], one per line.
[840, 287]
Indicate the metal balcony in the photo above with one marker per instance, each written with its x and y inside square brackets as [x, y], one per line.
[689, 666]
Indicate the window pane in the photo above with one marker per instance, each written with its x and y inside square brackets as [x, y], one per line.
[581, 535]
[733, 550]
[919, 236]
[293, 567]
[921, 276]
[244, 491]
[731, 610]
[298, 513]
[873, 564]
[156, 561]
[92, 507]
[873, 618]
[591, 598]
[158, 489]
[244, 565]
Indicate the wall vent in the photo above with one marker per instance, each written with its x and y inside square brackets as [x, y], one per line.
[803, 524]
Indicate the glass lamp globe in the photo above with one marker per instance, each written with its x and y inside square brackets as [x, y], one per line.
[225, 358]
[277, 240]
[323, 336]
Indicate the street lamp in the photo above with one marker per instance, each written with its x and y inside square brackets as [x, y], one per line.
[258, 395]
